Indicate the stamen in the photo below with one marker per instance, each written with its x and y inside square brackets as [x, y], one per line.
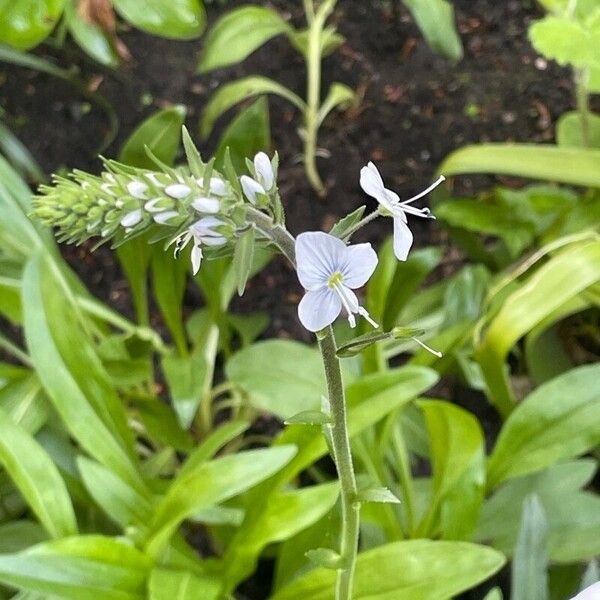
[363, 312]
[426, 347]
[339, 288]
[440, 179]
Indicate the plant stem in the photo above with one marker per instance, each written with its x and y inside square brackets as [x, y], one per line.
[364, 221]
[342, 456]
[309, 11]
[277, 233]
[581, 87]
[313, 93]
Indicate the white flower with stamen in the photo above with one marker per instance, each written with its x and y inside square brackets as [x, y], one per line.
[329, 271]
[265, 178]
[372, 183]
[590, 593]
[203, 233]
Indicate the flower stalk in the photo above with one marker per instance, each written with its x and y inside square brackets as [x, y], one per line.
[342, 456]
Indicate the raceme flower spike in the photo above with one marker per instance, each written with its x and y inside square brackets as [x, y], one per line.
[329, 271]
[372, 183]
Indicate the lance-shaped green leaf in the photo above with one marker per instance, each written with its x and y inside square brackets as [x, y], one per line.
[345, 225]
[339, 95]
[559, 420]
[77, 568]
[37, 478]
[242, 259]
[177, 19]
[239, 33]
[212, 483]
[230, 94]
[167, 584]
[574, 166]
[408, 570]
[569, 130]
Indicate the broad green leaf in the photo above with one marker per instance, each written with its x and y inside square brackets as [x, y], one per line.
[566, 274]
[71, 373]
[369, 399]
[37, 478]
[574, 166]
[90, 36]
[566, 41]
[18, 535]
[166, 584]
[529, 576]
[212, 483]
[569, 130]
[288, 389]
[457, 455]
[25, 402]
[121, 503]
[239, 33]
[79, 568]
[339, 95]
[435, 19]
[26, 23]
[408, 570]
[247, 134]
[559, 420]
[230, 94]
[176, 19]
[160, 133]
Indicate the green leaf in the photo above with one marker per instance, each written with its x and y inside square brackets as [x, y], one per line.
[559, 420]
[121, 503]
[408, 570]
[529, 577]
[574, 166]
[457, 456]
[230, 94]
[239, 33]
[210, 484]
[494, 594]
[20, 534]
[380, 495]
[160, 133]
[79, 568]
[177, 19]
[564, 276]
[309, 417]
[26, 23]
[71, 372]
[566, 41]
[90, 36]
[569, 130]
[25, 402]
[435, 19]
[242, 259]
[165, 584]
[19, 156]
[247, 134]
[325, 557]
[339, 95]
[288, 389]
[345, 224]
[37, 478]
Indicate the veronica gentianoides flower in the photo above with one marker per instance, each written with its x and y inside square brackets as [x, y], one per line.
[389, 203]
[265, 178]
[203, 232]
[329, 271]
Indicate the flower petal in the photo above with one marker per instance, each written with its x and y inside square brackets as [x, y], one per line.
[251, 188]
[318, 256]
[319, 308]
[360, 264]
[590, 593]
[206, 205]
[196, 258]
[371, 181]
[137, 189]
[217, 186]
[163, 218]
[264, 170]
[403, 238]
[178, 190]
[131, 219]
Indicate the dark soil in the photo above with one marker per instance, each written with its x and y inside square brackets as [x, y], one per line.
[415, 109]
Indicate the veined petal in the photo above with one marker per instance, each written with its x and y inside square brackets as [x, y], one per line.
[360, 265]
[206, 205]
[318, 256]
[371, 181]
[403, 238]
[264, 170]
[590, 593]
[319, 308]
[251, 188]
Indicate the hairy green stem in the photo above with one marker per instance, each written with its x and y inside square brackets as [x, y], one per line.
[583, 104]
[342, 456]
[313, 97]
[280, 236]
